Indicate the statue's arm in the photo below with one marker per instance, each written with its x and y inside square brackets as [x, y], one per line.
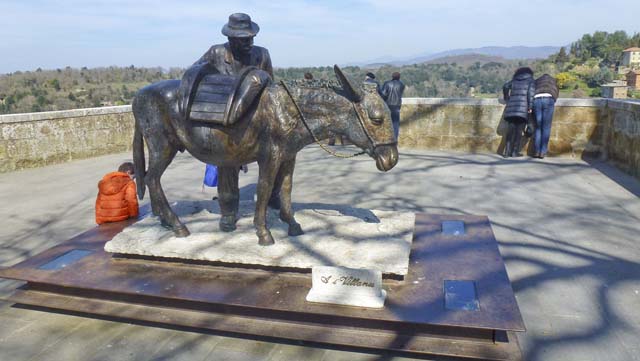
[267, 63]
[205, 58]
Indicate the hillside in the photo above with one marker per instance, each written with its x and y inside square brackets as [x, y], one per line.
[71, 88]
[580, 70]
[467, 59]
[505, 52]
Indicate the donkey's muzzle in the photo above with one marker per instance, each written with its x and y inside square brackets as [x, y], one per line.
[386, 156]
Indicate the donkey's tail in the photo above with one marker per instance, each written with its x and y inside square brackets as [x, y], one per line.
[138, 158]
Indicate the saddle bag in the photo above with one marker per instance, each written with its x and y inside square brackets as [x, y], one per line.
[220, 98]
[212, 98]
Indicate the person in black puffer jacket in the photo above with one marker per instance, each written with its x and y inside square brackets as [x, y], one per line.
[518, 93]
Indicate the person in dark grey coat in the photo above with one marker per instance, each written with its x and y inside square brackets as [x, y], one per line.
[391, 92]
[518, 93]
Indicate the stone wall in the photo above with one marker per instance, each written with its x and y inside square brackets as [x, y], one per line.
[622, 134]
[477, 125]
[597, 126]
[37, 139]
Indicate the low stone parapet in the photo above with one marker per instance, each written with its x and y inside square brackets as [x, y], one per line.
[622, 135]
[596, 126]
[477, 125]
[37, 139]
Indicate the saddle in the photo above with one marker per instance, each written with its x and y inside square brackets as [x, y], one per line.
[210, 97]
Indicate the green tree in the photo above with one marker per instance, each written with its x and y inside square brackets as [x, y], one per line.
[55, 83]
[562, 56]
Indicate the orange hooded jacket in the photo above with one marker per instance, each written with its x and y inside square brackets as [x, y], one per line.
[116, 198]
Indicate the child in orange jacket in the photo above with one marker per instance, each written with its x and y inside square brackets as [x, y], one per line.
[117, 199]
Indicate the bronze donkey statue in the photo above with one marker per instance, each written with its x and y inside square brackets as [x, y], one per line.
[282, 121]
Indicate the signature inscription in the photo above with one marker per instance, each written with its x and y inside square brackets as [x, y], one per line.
[345, 281]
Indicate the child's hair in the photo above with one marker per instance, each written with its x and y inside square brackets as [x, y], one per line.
[126, 167]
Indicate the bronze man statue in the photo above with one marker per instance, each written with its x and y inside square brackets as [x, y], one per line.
[232, 58]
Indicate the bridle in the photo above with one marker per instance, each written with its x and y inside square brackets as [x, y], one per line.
[357, 107]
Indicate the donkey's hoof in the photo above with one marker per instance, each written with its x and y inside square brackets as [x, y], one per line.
[266, 240]
[227, 224]
[295, 230]
[181, 232]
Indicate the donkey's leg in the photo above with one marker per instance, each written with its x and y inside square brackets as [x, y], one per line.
[285, 179]
[159, 159]
[274, 200]
[228, 197]
[266, 180]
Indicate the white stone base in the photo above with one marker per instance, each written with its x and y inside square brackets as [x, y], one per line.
[334, 236]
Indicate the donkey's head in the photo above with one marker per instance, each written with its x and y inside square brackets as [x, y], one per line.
[370, 127]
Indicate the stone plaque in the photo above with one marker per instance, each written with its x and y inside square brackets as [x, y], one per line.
[347, 286]
[460, 295]
[453, 228]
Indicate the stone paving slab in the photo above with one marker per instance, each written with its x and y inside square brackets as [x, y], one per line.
[187, 346]
[567, 230]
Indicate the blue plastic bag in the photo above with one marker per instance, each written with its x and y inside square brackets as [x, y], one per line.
[210, 176]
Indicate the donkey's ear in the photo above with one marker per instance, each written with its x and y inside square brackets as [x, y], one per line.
[353, 93]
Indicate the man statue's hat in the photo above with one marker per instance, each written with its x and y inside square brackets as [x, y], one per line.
[240, 26]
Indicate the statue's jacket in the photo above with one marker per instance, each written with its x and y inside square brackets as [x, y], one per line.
[221, 58]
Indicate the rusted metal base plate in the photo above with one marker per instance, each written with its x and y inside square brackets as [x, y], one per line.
[271, 303]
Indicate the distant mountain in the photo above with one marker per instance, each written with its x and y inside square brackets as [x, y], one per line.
[506, 52]
[467, 59]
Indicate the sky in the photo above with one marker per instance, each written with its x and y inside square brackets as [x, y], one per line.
[53, 34]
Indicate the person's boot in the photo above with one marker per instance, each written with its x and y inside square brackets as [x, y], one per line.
[508, 150]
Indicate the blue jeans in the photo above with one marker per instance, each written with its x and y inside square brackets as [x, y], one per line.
[543, 108]
[395, 119]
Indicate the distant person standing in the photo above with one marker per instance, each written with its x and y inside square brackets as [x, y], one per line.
[518, 93]
[371, 78]
[391, 92]
[544, 102]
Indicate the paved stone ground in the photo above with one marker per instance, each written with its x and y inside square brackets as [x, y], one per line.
[568, 230]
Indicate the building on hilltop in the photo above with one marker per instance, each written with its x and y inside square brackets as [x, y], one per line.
[633, 79]
[614, 91]
[631, 57]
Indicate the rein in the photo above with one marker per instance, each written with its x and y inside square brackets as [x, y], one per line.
[315, 139]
